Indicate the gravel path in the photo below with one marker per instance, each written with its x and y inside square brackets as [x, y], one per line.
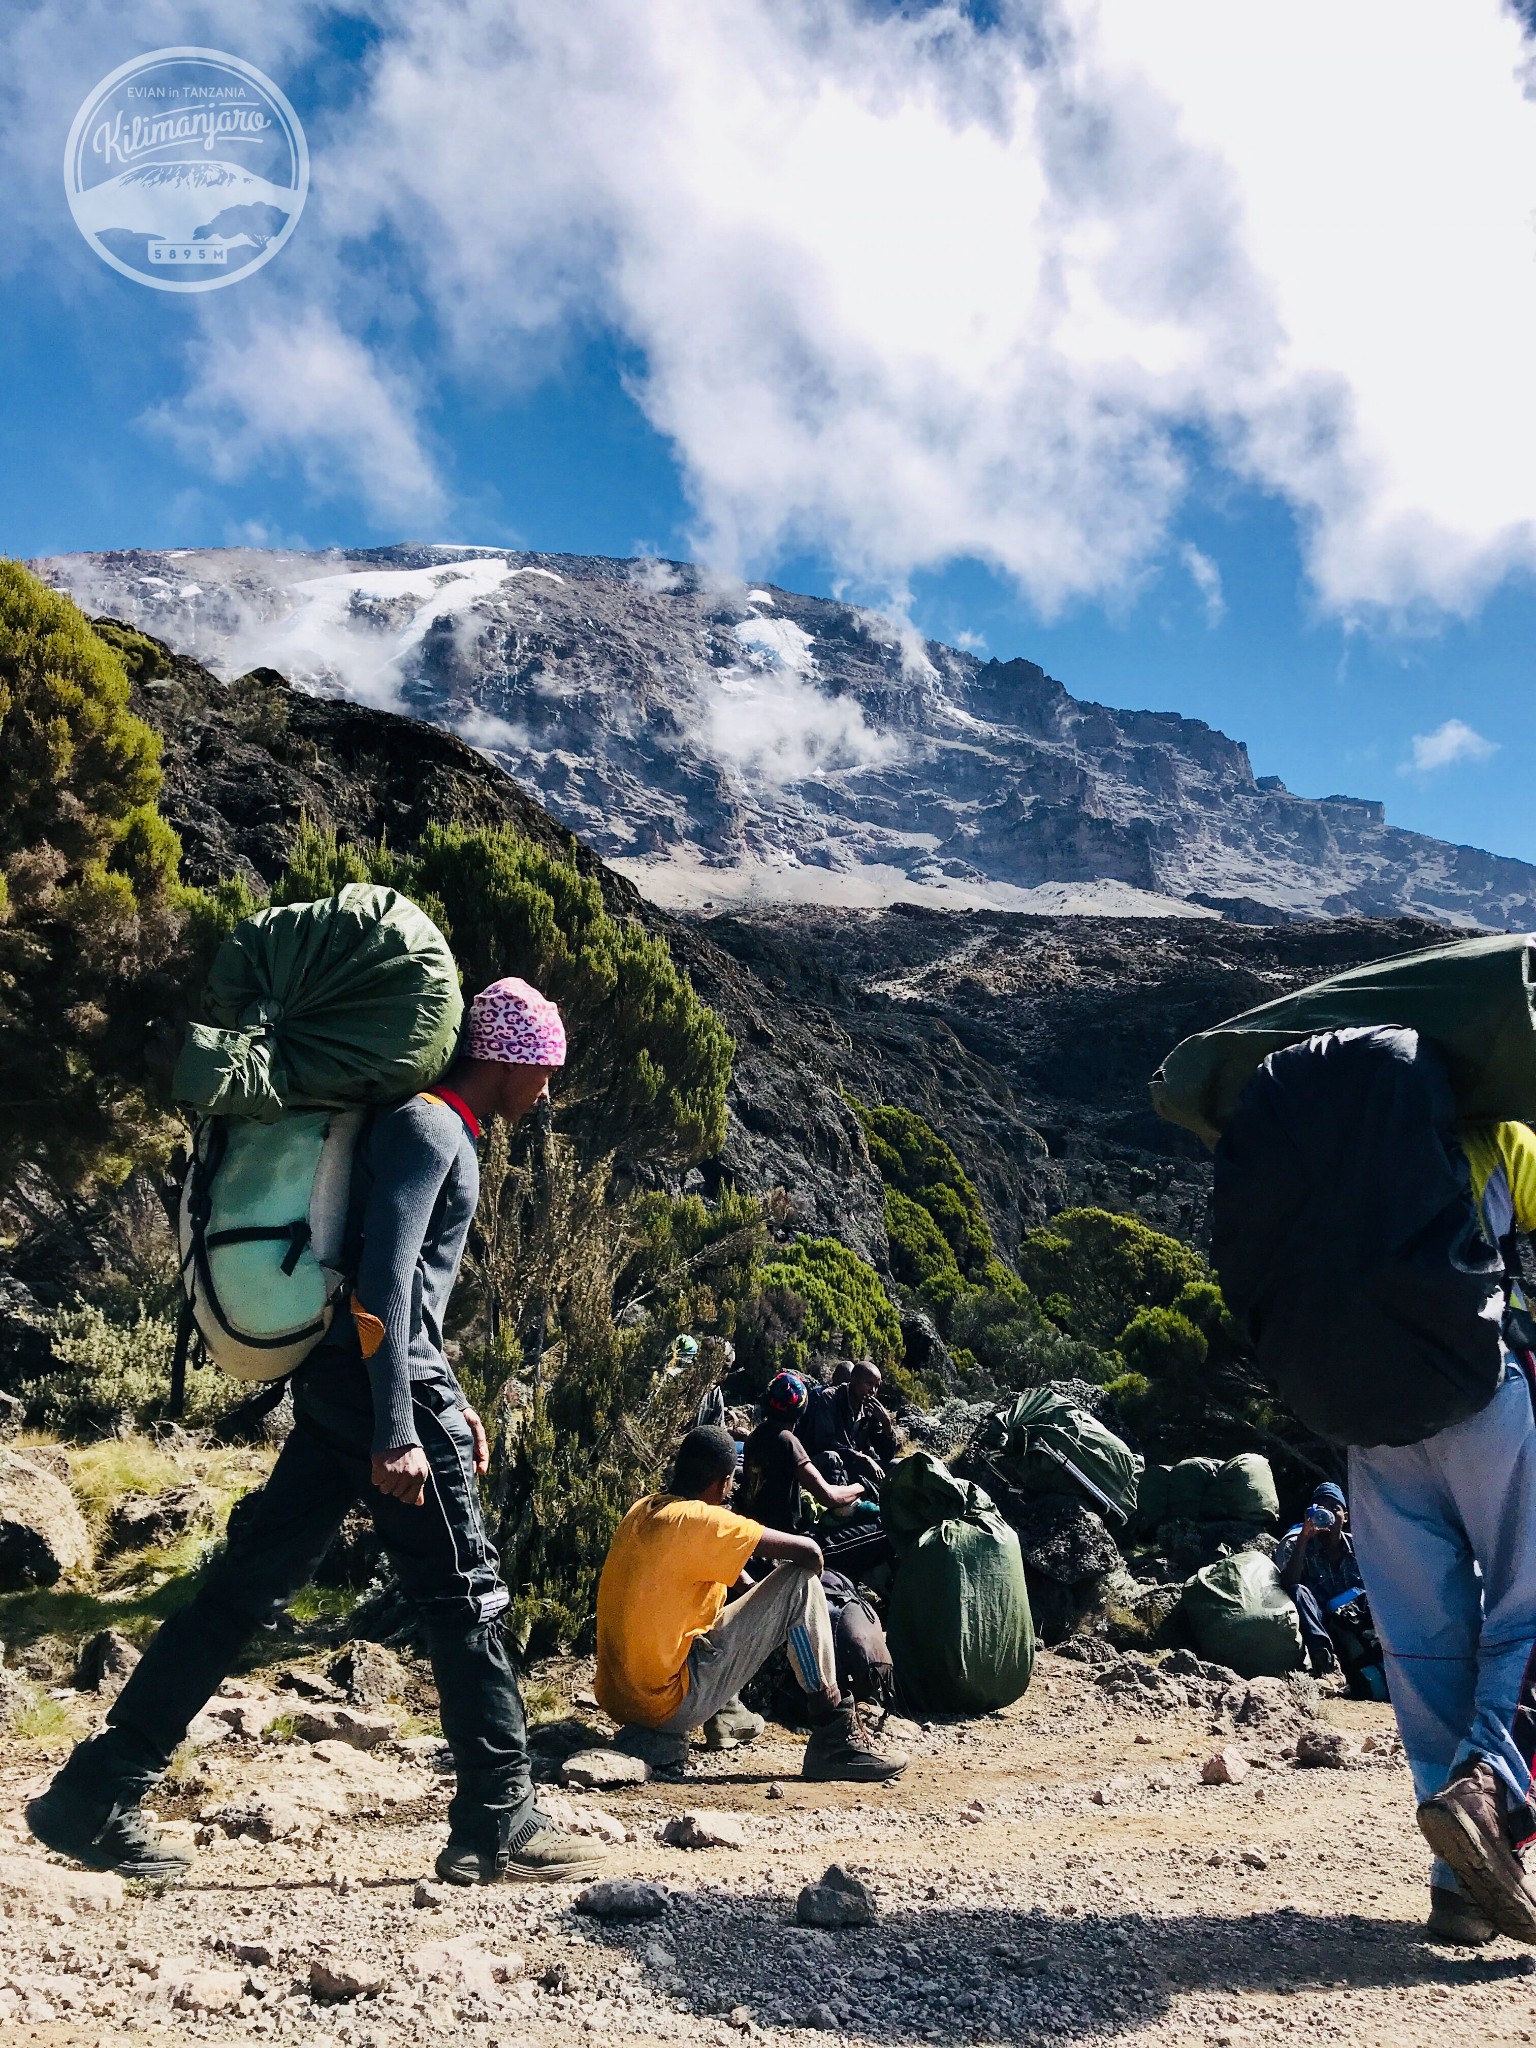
[1056, 1873]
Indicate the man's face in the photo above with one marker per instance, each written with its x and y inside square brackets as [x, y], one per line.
[863, 1385]
[520, 1088]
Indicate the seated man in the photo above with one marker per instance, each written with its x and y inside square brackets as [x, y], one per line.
[1317, 1566]
[847, 1432]
[776, 1467]
[671, 1654]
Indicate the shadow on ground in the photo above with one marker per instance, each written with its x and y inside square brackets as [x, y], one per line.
[961, 1975]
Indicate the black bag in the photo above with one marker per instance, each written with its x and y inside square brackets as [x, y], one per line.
[863, 1655]
[1346, 1239]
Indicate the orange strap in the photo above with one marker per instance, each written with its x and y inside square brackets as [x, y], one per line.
[370, 1331]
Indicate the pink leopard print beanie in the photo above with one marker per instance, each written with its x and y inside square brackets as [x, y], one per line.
[515, 1026]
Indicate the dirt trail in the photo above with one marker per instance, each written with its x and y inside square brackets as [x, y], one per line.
[1056, 1873]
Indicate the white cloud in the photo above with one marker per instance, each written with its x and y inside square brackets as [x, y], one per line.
[1206, 577]
[1448, 743]
[308, 391]
[903, 288]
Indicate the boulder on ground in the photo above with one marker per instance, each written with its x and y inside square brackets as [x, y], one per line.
[139, 1520]
[704, 1831]
[622, 1898]
[603, 1770]
[839, 1900]
[42, 1532]
[104, 1662]
[1322, 1749]
[335, 1978]
[461, 1965]
[56, 1888]
[368, 1674]
[1226, 1767]
[360, 1730]
[26, 1335]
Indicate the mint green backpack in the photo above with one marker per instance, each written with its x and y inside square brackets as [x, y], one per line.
[320, 1011]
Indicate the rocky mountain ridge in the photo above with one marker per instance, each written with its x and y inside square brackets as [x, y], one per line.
[1026, 1041]
[727, 746]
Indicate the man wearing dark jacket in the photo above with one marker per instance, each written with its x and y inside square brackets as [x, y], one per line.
[377, 1414]
[847, 1431]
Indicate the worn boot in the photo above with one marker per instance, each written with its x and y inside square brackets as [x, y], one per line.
[1465, 1827]
[537, 1853]
[102, 1834]
[840, 1749]
[1454, 1919]
[733, 1726]
[665, 1754]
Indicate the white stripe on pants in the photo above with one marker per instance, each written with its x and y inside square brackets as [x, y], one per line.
[786, 1610]
[1445, 1531]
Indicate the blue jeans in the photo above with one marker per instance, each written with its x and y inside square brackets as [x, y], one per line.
[442, 1557]
[1445, 1532]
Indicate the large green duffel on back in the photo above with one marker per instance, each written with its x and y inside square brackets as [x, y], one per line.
[958, 1623]
[1021, 1438]
[331, 1005]
[1241, 1615]
[1475, 998]
[321, 1011]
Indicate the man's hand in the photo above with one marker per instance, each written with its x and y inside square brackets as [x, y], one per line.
[403, 1474]
[845, 1496]
[778, 1546]
[482, 1447]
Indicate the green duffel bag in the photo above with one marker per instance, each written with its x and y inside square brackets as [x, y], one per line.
[1045, 1421]
[1188, 1484]
[1243, 1490]
[1475, 998]
[321, 1011]
[1240, 1615]
[961, 1637]
[339, 1004]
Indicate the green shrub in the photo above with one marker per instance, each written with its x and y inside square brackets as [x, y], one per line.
[112, 1375]
[1163, 1345]
[840, 1302]
[649, 1062]
[915, 1161]
[1102, 1268]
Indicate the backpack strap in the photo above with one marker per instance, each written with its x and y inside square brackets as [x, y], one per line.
[460, 1108]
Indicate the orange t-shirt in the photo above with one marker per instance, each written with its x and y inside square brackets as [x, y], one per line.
[664, 1583]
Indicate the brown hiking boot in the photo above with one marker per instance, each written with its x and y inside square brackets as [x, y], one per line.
[1455, 1920]
[841, 1750]
[1464, 1825]
[733, 1726]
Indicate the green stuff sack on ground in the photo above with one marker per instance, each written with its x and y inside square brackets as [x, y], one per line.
[1048, 1417]
[1188, 1482]
[1243, 1490]
[1475, 998]
[331, 1005]
[958, 1621]
[1240, 1615]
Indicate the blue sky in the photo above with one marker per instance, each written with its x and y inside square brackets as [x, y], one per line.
[1214, 472]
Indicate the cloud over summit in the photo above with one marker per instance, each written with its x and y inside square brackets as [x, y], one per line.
[902, 288]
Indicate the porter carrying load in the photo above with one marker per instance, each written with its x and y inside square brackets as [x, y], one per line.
[322, 1011]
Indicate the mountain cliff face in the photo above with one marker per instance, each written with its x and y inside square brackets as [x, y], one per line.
[729, 746]
[1026, 1041]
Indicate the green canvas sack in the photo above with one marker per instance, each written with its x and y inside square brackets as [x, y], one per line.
[1240, 1615]
[322, 1010]
[1043, 1421]
[1475, 999]
[961, 1637]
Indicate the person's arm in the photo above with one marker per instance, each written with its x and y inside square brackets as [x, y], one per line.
[411, 1153]
[1291, 1569]
[776, 1546]
[813, 1483]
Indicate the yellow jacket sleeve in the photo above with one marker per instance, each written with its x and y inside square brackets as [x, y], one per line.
[1517, 1154]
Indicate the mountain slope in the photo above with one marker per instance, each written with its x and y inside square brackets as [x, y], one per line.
[724, 745]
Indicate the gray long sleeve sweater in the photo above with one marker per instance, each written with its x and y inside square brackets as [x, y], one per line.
[415, 1183]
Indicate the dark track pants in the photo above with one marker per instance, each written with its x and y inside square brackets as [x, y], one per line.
[442, 1557]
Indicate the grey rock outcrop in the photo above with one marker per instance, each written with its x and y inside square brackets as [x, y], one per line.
[42, 1532]
[732, 745]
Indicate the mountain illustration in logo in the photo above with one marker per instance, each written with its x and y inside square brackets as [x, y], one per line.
[209, 200]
